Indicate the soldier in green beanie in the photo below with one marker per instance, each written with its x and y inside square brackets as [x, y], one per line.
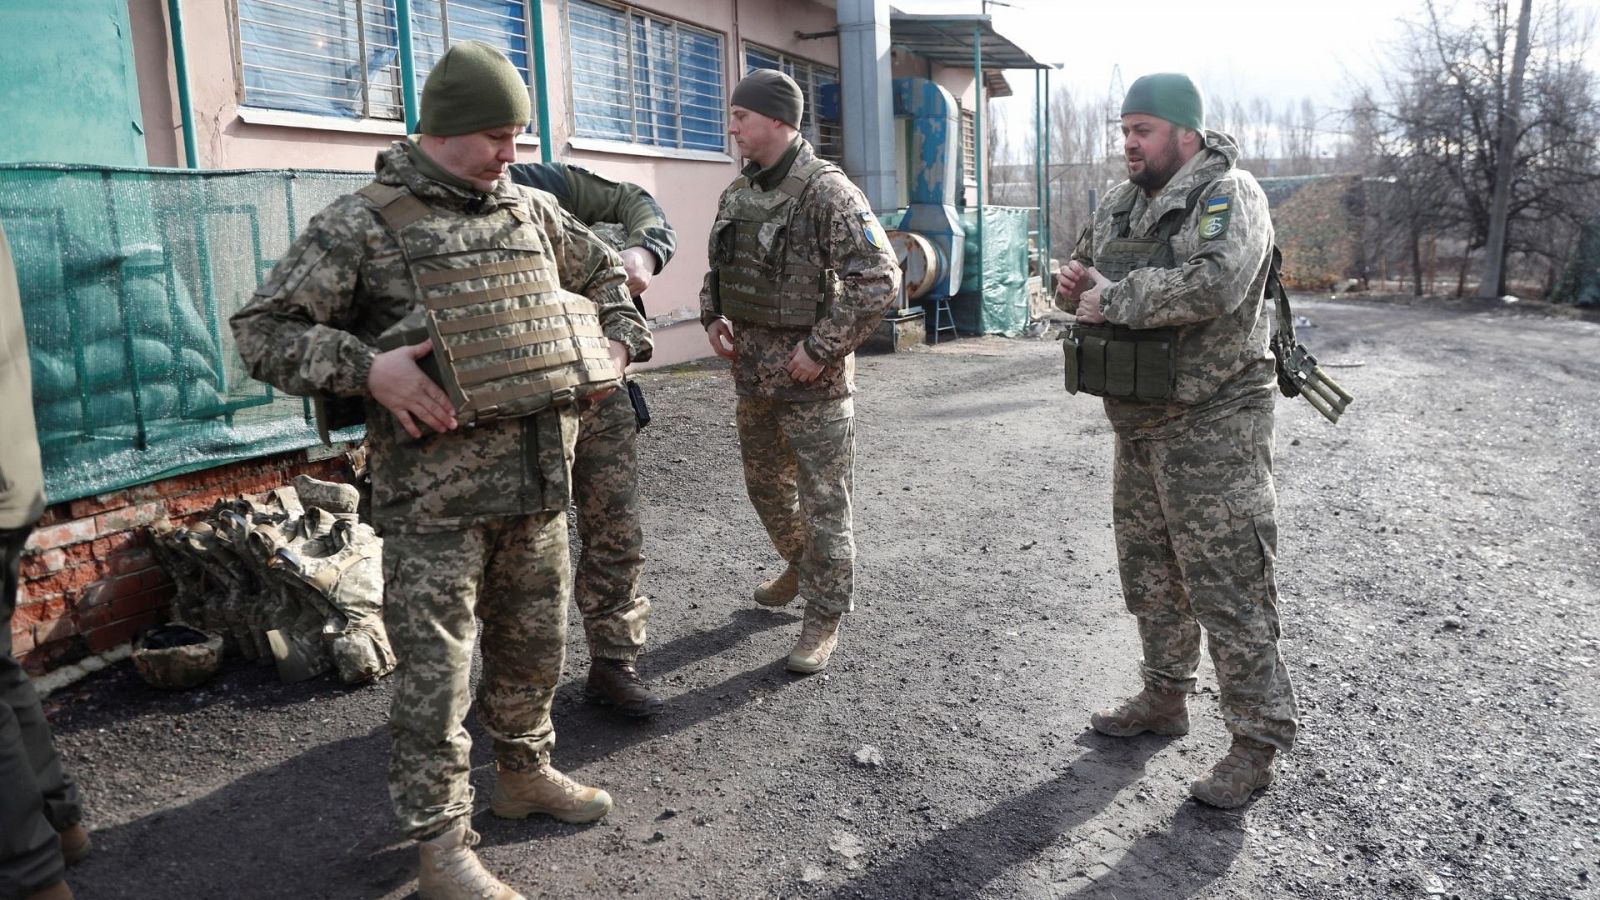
[1170, 276]
[443, 247]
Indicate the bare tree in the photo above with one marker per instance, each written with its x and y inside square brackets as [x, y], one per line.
[1438, 118]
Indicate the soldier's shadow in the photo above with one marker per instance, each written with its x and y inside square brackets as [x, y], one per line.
[1182, 861]
[962, 860]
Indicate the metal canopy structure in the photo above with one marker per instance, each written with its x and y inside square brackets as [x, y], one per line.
[965, 41]
[954, 40]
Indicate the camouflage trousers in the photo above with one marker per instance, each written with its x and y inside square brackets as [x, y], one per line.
[605, 491]
[1196, 541]
[514, 575]
[798, 466]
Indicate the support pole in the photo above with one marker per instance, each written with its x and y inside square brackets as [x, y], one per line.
[408, 64]
[541, 85]
[180, 65]
[977, 140]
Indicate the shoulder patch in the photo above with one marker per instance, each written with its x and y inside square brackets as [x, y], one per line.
[1216, 205]
[872, 231]
[1214, 224]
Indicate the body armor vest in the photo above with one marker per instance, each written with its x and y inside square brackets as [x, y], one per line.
[507, 340]
[1109, 360]
[757, 279]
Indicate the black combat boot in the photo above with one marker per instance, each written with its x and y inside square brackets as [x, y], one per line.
[615, 682]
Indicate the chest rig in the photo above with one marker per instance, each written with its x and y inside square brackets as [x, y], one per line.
[1109, 360]
[757, 279]
[507, 340]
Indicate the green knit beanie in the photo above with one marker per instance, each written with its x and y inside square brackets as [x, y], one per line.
[771, 93]
[1170, 96]
[473, 88]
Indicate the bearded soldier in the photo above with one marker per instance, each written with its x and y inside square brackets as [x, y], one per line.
[474, 318]
[1168, 282]
[801, 274]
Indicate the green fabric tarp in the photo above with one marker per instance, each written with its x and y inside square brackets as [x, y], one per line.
[994, 277]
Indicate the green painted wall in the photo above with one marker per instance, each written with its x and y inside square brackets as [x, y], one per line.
[68, 90]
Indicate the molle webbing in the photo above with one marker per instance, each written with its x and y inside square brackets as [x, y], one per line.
[507, 339]
[758, 279]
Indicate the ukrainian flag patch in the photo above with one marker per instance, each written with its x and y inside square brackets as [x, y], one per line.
[1216, 205]
[872, 231]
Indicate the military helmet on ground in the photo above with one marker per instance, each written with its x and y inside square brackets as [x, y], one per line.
[177, 657]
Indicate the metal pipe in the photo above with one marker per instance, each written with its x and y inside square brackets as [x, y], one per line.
[1049, 233]
[180, 66]
[977, 140]
[541, 84]
[1038, 172]
[408, 65]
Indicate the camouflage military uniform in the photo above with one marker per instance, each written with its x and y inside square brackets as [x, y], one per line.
[798, 439]
[605, 472]
[38, 796]
[473, 521]
[1193, 496]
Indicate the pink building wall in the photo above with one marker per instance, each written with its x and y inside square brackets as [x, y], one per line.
[686, 184]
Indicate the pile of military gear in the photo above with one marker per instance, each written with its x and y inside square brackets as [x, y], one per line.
[293, 577]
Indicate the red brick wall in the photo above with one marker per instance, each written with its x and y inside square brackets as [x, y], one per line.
[89, 581]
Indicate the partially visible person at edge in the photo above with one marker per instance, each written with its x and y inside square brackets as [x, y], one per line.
[41, 817]
[605, 472]
[789, 305]
[1185, 243]
[473, 518]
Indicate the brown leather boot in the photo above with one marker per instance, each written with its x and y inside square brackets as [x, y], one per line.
[518, 795]
[1246, 769]
[451, 871]
[57, 891]
[75, 843]
[615, 682]
[1160, 712]
[779, 591]
[819, 634]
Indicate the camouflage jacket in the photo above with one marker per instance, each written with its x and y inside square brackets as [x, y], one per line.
[596, 200]
[21, 477]
[835, 229]
[1214, 296]
[313, 325]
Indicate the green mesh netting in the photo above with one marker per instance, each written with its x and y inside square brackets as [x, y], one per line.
[128, 278]
[994, 276]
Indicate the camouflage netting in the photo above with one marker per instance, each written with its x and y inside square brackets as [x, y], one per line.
[1319, 229]
[292, 576]
[128, 277]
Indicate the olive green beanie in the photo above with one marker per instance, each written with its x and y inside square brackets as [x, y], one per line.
[1170, 96]
[771, 93]
[473, 88]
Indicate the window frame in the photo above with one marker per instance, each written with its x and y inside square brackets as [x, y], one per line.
[256, 110]
[640, 119]
[810, 124]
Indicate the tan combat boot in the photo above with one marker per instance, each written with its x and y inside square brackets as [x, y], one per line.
[518, 795]
[451, 871]
[1160, 712]
[1246, 769]
[819, 634]
[779, 591]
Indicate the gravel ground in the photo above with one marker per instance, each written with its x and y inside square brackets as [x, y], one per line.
[1441, 619]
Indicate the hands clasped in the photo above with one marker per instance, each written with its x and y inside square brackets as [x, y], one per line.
[1085, 283]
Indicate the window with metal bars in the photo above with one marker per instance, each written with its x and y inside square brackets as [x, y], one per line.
[341, 57]
[820, 122]
[969, 146]
[644, 79]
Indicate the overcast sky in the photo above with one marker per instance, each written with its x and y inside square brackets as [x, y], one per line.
[1238, 49]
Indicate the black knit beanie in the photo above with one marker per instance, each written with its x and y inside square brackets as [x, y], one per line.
[771, 93]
